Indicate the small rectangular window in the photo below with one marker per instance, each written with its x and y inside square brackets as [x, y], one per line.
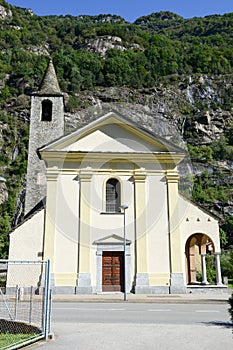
[47, 108]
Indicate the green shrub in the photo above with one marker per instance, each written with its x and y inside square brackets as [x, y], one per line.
[210, 269]
[230, 301]
[227, 264]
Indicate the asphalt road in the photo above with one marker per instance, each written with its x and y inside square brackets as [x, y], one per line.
[140, 313]
[140, 326]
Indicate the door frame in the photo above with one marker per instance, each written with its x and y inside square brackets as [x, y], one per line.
[112, 247]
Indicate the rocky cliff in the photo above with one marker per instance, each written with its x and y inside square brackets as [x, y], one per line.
[186, 110]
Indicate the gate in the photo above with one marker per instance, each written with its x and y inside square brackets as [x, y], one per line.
[25, 302]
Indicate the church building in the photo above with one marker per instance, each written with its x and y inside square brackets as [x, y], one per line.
[102, 203]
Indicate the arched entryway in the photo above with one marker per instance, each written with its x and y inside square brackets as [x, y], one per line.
[197, 247]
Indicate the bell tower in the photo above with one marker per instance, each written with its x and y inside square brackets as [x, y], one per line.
[46, 125]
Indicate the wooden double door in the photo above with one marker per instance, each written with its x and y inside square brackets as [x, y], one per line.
[113, 272]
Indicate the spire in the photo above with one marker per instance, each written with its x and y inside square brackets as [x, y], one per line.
[49, 85]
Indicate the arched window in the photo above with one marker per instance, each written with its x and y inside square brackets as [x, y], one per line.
[113, 196]
[47, 108]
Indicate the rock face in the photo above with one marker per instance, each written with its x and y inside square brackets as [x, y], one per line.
[192, 107]
[3, 193]
[4, 13]
[208, 125]
[39, 50]
[184, 109]
[102, 44]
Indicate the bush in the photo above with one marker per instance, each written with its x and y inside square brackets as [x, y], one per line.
[221, 149]
[73, 103]
[210, 269]
[227, 264]
[230, 301]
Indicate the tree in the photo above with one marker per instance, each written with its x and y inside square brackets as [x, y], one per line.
[227, 263]
[221, 149]
[228, 228]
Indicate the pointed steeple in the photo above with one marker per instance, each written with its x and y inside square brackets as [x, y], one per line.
[49, 85]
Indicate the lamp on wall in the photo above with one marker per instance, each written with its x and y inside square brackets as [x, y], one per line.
[124, 207]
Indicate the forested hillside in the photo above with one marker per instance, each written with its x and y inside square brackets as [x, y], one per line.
[175, 73]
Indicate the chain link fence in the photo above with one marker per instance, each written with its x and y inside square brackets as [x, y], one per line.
[25, 302]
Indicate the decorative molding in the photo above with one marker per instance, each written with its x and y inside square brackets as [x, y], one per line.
[52, 174]
[172, 176]
[140, 175]
[85, 174]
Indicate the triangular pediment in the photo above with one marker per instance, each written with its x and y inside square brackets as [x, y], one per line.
[112, 133]
[112, 239]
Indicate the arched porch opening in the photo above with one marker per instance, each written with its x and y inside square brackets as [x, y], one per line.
[197, 247]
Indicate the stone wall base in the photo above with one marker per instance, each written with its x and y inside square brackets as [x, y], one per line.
[208, 289]
[152, 290]
[84, 284]
[63, 290]
[177, 284]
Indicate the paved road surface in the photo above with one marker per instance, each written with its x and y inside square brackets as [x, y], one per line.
[139, 326]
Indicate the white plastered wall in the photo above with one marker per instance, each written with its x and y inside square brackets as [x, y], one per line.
[26, 243]
[194, 220]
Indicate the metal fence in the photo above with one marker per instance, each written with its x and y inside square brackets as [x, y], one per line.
[25, 302]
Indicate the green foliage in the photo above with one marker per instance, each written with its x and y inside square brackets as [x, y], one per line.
[7, 339]
[226, 259]
[213, 191]
[231, 307]
[210, 269]
[4, 230]
[200, 153]
[73, 103]
[155, 46]
[15, 137]
[228, 228]
[198, 276]
[221, 149]
[229, 133]
[223, 238]
[205, 190]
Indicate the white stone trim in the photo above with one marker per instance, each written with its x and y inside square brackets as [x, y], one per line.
[111, 247]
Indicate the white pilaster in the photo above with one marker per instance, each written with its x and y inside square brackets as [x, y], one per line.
[84, 272]
[142, 277]
[218, 269]
[203, 268]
